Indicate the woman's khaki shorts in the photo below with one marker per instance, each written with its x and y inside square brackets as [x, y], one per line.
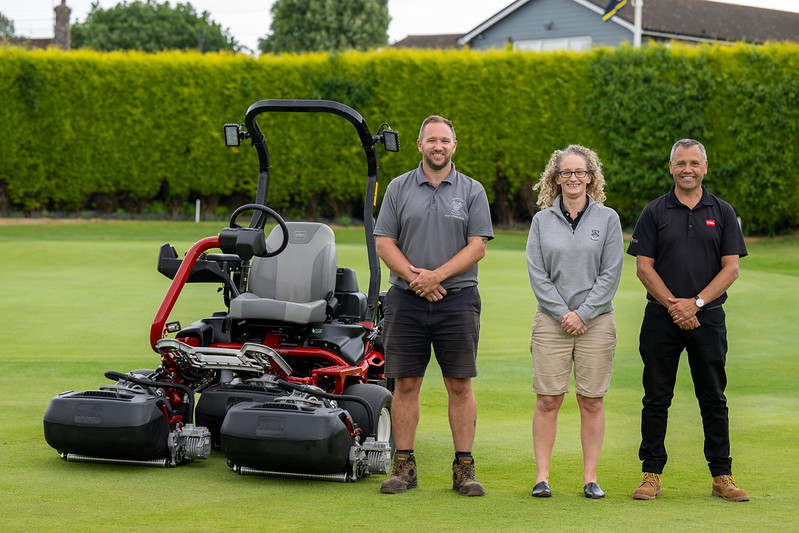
[554, 350]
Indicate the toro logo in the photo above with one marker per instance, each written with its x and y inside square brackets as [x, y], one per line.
[86, 413]
[270, 426]
[710, 222]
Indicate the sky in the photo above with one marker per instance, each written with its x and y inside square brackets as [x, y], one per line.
[249, 20]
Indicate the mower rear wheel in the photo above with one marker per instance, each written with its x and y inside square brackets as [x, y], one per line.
[380, 399]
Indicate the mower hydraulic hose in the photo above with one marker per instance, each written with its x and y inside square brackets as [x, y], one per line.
[338, 397]
[147, 383]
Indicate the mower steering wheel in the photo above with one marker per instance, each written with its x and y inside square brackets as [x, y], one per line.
[267, 212]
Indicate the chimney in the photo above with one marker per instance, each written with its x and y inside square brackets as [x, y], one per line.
[63, 36]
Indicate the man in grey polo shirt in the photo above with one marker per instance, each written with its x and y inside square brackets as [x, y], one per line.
[432, 230]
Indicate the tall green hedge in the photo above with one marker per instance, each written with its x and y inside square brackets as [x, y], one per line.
[84, 130]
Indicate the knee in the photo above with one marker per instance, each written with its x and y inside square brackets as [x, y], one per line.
[548, 404]
[407, 387]
[459, 388]
[590, 406]
[657, 402]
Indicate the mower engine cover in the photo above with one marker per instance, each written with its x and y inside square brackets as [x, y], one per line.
[286, 437]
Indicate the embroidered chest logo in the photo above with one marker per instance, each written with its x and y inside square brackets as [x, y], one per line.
[456, 209]
[710, 222]
[594, 234]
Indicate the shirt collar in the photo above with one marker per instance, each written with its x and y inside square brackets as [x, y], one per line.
[672, 201]
[566, 212]
[422, 179]
[559, 202]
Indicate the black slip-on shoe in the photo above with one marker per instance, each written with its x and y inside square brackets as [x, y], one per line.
[593, 491]
[541, 490]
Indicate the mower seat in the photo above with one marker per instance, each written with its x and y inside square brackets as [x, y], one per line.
[295, 285]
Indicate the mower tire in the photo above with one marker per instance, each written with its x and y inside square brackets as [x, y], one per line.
[380, 399]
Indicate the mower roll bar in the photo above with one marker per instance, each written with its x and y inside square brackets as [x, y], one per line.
[367, 142]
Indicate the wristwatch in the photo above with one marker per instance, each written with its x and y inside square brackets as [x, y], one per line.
[700, 303]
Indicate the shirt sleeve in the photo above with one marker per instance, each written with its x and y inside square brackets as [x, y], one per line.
[607, 281]
[644, 238]
[732, 239]
[480, 216]
[549, 299]
[387, 224]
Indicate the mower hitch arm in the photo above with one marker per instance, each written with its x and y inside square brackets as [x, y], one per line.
[147, 383]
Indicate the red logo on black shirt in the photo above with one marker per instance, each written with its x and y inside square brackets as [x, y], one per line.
[710, 222]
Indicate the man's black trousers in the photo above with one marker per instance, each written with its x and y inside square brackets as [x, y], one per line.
[661, 344]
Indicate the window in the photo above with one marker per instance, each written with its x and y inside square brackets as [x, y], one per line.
[577, 44]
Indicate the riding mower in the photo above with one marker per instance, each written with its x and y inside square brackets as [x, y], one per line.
[290, 375]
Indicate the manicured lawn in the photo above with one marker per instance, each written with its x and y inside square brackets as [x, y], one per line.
[78, 299]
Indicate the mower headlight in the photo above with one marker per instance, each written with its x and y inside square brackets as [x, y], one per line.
[387, 136]
[232, 135]
[391, 140]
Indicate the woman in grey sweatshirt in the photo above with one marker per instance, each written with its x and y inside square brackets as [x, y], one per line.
[574, 258]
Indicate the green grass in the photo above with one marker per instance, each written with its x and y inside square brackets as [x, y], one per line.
[78, 299]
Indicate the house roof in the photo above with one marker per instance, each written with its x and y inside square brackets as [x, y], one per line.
[685, 19]
[449, 40]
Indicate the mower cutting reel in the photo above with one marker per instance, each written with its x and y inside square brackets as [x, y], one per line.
[290, 372]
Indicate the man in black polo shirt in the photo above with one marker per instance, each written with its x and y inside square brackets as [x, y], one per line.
[687, 245]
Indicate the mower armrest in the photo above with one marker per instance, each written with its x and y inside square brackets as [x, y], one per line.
[209, 268]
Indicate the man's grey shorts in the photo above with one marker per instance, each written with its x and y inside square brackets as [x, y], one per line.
[412, 325]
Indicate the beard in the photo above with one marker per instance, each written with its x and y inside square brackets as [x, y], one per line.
[430, 163]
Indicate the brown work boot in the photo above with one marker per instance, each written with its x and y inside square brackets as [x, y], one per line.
[463, 478]
[403, 477]
[649, 489]
[725, 488]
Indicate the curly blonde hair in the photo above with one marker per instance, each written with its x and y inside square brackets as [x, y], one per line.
[548, 186]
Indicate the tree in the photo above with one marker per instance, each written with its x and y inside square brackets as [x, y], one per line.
[316, 25]
[6, 26]
[150, 27]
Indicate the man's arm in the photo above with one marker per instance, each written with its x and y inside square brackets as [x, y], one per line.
[428, 281]
[393, 257]
[645, 269]
[653, 283]
[396, 261]
[682, 309]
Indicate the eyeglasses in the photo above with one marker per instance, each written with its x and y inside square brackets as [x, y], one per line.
[566, 174]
